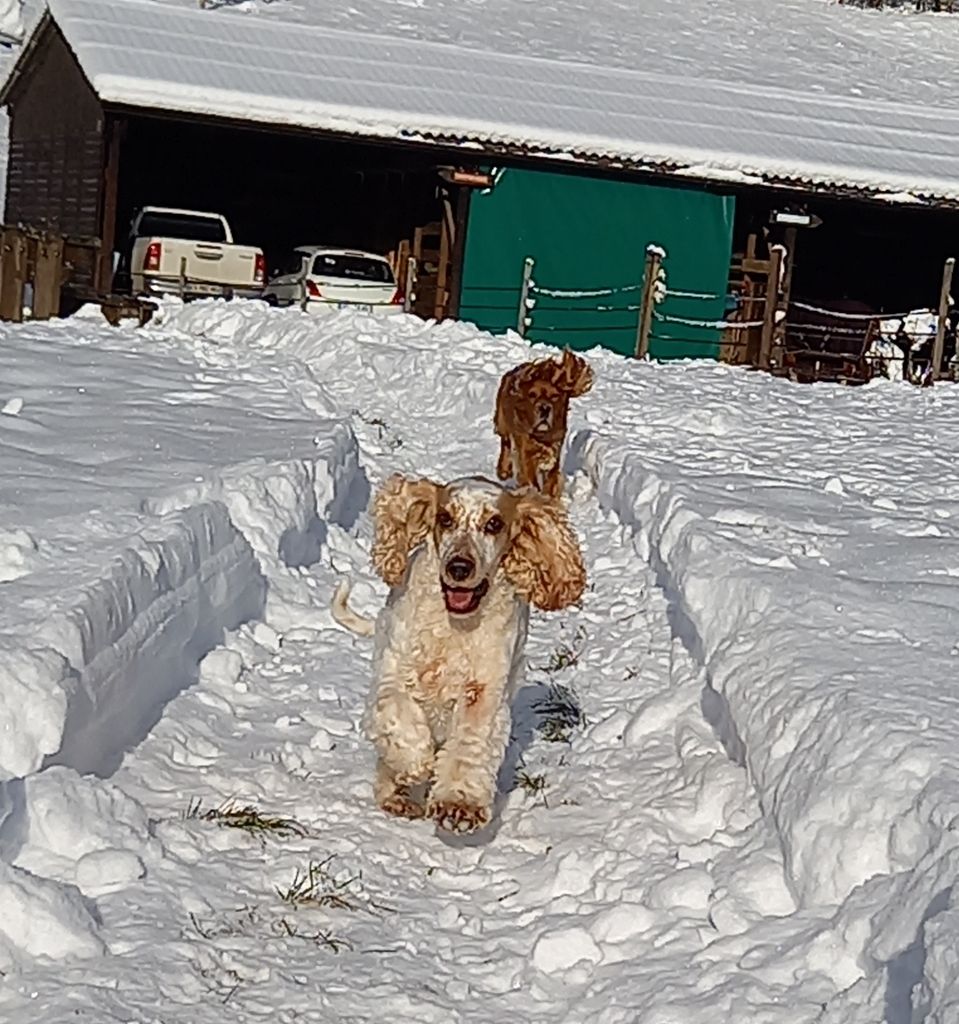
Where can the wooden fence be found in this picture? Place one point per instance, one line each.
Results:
(44, 275)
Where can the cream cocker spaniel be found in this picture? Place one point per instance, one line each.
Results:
(464, 561)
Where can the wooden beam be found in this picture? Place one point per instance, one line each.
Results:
(945, 293)
(115, 129)
(12, 274)
(459, 252)
(772, 306)
(48, 277)
(790, 238)
(442, 270)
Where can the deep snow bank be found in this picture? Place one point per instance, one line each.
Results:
(816, 588)
(125, 578)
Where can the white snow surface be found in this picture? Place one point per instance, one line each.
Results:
(752, 816)
(796, 90)
(11, 20)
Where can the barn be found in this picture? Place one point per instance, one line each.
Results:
(529, 189)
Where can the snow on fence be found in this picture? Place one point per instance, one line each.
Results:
(601, 309)
(799, 339)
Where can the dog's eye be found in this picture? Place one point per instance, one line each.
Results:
(494, 525)
(443, 519)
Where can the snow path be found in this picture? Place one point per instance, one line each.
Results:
(637, 873)
(623, 856)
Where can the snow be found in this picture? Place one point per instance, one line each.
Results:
(11, 20)
(733, 779)
(636, 101)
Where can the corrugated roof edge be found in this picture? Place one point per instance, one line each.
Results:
(477, 142)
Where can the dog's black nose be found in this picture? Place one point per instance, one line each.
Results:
(460, 568)
(544, 411)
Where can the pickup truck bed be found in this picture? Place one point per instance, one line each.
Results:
(192, 254)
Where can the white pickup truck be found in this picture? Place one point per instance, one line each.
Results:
(189, 253)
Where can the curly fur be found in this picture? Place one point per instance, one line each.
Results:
(544, 563)
(444, 679)
(532, 405)
(403, 513)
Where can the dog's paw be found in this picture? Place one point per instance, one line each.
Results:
(457, 816)
(400, 805)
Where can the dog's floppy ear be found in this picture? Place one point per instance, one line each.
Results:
(514, 381)
(576, 375)
(403, 515)
(544, 562)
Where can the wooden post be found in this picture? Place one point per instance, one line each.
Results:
(409, 286)
(12, 269)
(442, 272)
(771, 307)
(47, 277)
(647, 302)
(523, 310)
(789, 240)
(182, 281)
(459, 250)
(945, 293)
(108, 207)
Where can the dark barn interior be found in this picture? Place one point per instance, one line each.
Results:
(278, 189)
(886, 257)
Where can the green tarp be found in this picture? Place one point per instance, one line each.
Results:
(588, 238)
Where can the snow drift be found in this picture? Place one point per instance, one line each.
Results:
(822, 615)
(805, 547)
(104, 627)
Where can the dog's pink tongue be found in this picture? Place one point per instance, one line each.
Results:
(459, 600)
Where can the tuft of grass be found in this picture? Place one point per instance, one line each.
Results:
(559, 714)
(248, 819)
(532, 785)
(317, 887)
(565, 655)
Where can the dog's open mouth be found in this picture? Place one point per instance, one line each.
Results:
(464, 600)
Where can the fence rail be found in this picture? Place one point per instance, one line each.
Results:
(763, 328)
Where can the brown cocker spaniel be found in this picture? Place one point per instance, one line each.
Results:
(531, 409)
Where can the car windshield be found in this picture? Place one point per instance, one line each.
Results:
(356, 268)
(181, 225)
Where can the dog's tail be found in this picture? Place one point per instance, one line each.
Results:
(344, 614)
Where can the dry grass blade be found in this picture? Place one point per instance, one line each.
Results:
(532, 785)
(317, 887)
(565, 655)
(248, 819)
(325, 940)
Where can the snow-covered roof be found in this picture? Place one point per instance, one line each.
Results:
(157, 55)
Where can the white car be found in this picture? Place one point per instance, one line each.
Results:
(319, 277)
